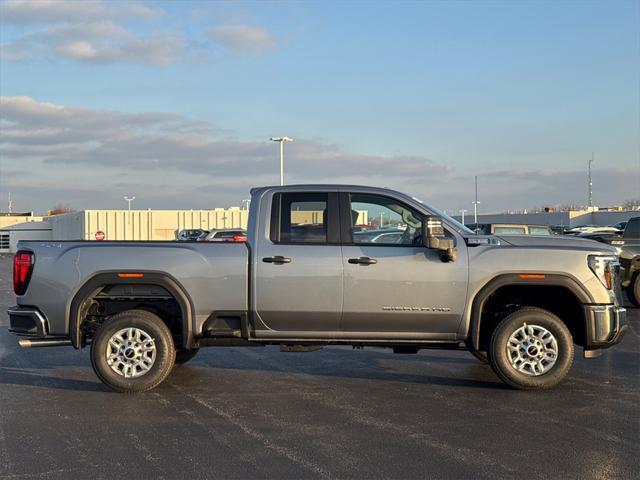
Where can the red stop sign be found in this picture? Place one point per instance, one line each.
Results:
(100, 235)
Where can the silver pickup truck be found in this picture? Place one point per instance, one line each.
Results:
(324, 265)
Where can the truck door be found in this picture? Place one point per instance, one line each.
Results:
(391, 282)
(298, 267)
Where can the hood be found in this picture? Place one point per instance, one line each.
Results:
(557, 242)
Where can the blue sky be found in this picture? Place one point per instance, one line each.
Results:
(419, 96)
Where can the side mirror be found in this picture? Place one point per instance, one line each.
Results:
(434, 238)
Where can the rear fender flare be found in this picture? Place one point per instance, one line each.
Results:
(93, 285)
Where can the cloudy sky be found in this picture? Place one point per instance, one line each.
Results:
(174, 102)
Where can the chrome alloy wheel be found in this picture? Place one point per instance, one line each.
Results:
(532, 350)
(131, 352)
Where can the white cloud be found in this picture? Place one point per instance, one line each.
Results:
(243, 38)
(21, 12)
(89, 157)
(87, 32)
(156, 50)
(97, 31)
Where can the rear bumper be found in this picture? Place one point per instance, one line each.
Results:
(605, 327)
(27, 321)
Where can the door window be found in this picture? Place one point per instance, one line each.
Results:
(379, 220)
(300, 218)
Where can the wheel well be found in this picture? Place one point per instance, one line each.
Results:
(558, 300)
(109, 300)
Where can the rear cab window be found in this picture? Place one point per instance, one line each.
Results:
(509, 231)
(304, 218)
(543, 231)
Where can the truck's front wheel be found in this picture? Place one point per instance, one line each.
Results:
(133, 351)
(531, 349)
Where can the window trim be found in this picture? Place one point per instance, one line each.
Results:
(333, 219)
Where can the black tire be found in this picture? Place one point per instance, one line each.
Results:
(633, 290)
(183, 356)
(499, 356)
(482, 356)
(153, 327)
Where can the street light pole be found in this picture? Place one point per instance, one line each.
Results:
(475, 204)
(281, 140)
(129, 199)
(463, 211)
(589, 162)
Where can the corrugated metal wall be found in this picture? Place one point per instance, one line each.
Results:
(157, 224)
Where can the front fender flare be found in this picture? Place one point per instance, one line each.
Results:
(554, 279)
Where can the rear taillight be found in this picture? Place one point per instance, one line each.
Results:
(22, 268)
(239, 238)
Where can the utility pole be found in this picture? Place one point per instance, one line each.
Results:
(475, 204)
(589, 162)
(10, 203)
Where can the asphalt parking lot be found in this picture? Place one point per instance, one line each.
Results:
(334, 413)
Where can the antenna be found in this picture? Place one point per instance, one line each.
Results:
(589, 162)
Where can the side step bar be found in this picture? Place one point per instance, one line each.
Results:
(44, 342)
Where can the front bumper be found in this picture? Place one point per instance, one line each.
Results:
(605, 326)
(27, 321)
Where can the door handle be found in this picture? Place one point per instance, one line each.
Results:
(276, 259)
(363, 261)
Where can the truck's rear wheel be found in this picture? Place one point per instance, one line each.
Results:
(531, 349)
(133, 351)
(183, 356)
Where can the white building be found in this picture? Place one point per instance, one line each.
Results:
(118, 225)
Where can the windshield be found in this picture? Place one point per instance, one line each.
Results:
(460, 228)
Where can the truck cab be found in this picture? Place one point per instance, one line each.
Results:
(305, 241)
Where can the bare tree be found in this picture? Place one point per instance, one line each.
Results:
(61, 208)
(633, 204)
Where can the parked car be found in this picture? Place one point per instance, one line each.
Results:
(620, 226)
(629, 253)
(190, 235)
(611, 238)
(560, 229)
(592, 229)
(226, 235)
(511, 229)
(378, 235)
(520, 302)
(627, 245)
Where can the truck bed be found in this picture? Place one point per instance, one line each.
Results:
(62, 267)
